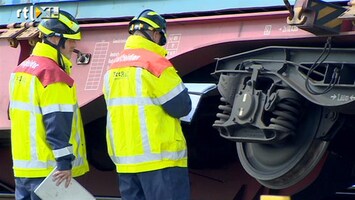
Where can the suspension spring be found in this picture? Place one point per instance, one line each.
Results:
(286, 115)
(226, 112)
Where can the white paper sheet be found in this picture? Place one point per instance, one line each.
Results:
(48, 190)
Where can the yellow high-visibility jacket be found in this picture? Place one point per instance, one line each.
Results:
(141, 135)
(46, 126)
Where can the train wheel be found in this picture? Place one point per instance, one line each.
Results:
(281, 165)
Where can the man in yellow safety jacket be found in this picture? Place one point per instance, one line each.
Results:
(145, 98)
(46, 126)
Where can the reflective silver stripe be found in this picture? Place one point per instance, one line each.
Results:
(25, 164)
(173, 93)
(79, 159)
(79, 140)
(77, 129)
(31, 164)
(110, 131)
(132, 101)
(139, 100)
(63, 152)
(141, 113)
(78, 162)
(12, 77)
(25, 107)
(33, 122)
(58, 108)
(150, 157)
(107, 84)
(108, 117)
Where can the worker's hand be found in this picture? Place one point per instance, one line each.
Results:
(60, 176)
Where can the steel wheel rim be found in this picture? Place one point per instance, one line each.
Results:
(279, 166)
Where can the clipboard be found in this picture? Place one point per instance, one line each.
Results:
(48, 190)
(196, 92)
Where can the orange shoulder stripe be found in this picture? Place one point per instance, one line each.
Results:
(148, 60)
(45, 69)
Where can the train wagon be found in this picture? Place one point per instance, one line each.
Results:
(271, 82)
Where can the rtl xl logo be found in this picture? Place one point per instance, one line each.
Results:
(43, 12)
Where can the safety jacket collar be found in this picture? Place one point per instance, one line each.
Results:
(45, 50)
(136, 41)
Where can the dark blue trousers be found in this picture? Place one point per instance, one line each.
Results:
(165, 184)
(25, 188)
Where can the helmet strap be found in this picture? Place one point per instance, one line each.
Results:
(146, 35)
(162, 40)
(46, 41)
(61, 43)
